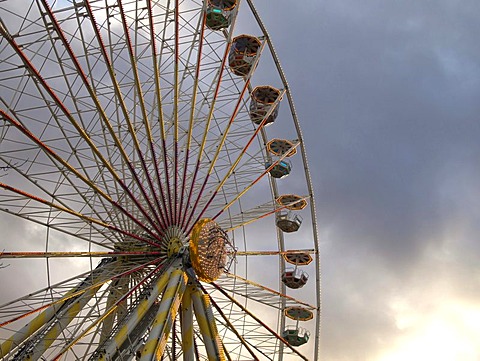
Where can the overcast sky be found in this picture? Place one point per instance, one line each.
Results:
(388, 95)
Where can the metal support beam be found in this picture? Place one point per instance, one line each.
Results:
(167, 312)
(111, 346)
(186, 324)
(208, 327)
(54, 310)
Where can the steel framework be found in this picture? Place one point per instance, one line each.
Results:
(126, 131)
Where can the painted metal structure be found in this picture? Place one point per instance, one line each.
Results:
(127, 146)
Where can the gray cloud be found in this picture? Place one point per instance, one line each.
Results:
(388, 97)
(387, 93)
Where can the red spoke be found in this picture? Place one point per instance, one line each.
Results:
(159, 105)
(144, 116)
(85, 218)
(132, 131)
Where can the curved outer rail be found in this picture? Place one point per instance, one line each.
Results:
(307, 174)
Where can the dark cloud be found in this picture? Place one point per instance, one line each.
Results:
(387, 93)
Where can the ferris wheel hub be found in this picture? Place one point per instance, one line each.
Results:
(173, 240)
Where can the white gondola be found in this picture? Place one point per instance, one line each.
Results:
(296, 336)
(294, 278)
(288, 221)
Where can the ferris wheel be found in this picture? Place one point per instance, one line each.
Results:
(154, 178)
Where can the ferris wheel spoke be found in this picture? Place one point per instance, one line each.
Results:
(185, 32)
(224, 135)
(69, 79)
(80, 322)
(66, 309)
(131, 128)
(256, 213)
(256, 292)
(163, 121)
(259, 321)
(225, 132)
(158, 99)
(157, 62)
(59, 289)
(215, 157)
(250, 186)
(192, 115)
(21, 207)
(83, 233)
(176, 62)
(242, 153)
(145, 118)
(205, 134)
(11, 255)
(41, 211)
(89, 183)
(35, 301)
(273, 253)
(69, 56)
(69, 116)
(232, 328)
(26, 197)
(250, 141)
(190, 91)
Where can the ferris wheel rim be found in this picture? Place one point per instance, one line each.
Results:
(308, 178)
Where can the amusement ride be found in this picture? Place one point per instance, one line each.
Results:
(154, 176)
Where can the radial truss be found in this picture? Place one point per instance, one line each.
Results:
(124, 124)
